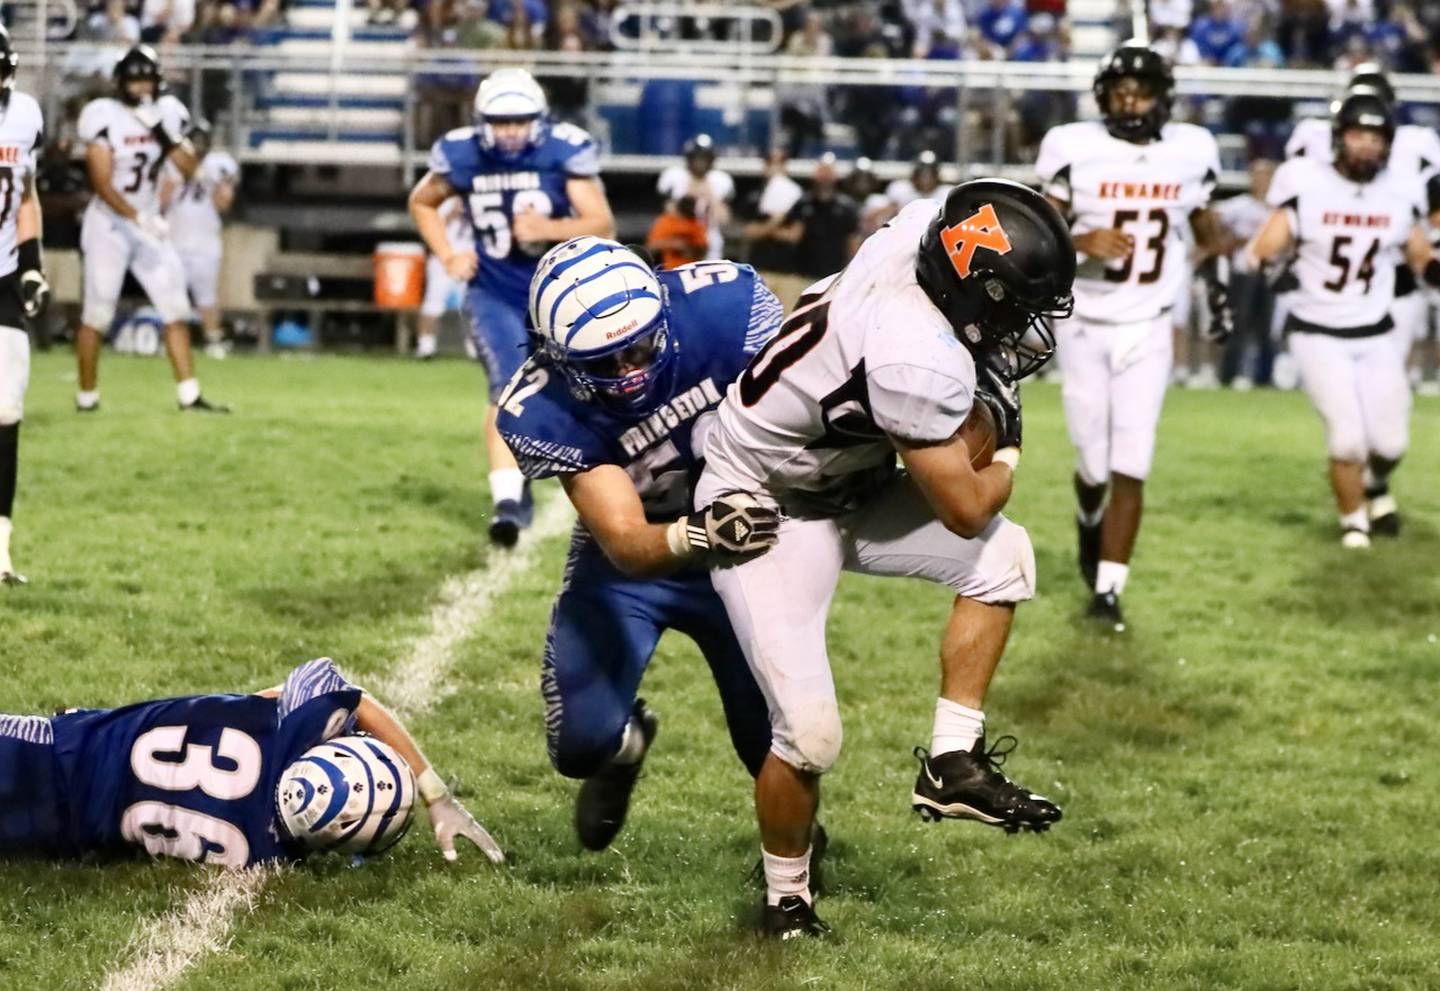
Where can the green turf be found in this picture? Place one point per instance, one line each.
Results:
(1248, 776)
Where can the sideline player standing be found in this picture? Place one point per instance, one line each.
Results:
(1350, 221)
(195, 209)
(233, 780)
(443, 293)
(1128, 185)
(631, 363)
(23, 288)
(879, 360)
(128, 139)
(527, 184)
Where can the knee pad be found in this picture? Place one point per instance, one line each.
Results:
(10, 414)
(1347, 444)
(98, 315)
(814, 738)
(1007, 565)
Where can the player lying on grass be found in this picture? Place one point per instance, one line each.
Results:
(631, 364)
(224, 779)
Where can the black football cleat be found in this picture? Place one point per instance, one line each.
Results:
(1089, 551)
(13, 578)
(202, 405)
(1105, 607)
(1384, 514)
(604, 798)
(967, 784)
(793, 918)
(505, 526)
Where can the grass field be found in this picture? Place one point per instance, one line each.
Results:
(1249, 776)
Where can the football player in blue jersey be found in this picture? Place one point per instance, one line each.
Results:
(615, 402)
(224, 779)
(527, 184)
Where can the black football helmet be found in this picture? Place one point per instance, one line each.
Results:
(9, 64)
(700, 148)
(1133, 60)
(1362, 108)
(138, 63)
(998, 261)
(200, 134)
(1369, 75)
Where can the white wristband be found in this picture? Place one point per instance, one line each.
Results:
(1007, 456)
(431, 786)
(678, 540)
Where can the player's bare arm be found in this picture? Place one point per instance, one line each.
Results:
(100, 164)
(592, 216)
(610, 508)
(965, 500)
(425, 200)
(1271, 242)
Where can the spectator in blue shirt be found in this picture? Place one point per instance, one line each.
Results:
(1258, 50)
(1218, 34)
(1002, 21)
(1037, 43)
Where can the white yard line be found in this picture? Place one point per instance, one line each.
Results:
(165, 946)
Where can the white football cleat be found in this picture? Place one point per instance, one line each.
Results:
(1355, 539)
(217, 350)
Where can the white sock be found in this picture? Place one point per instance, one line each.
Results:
(506, 483)
(425, 346)
(87, 398)
(957, 727)
(1358, 520)
(1111, 576)
(785, 876)
(5, 528)
(187, 391)
(632, 743)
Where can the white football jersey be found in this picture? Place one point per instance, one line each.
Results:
(458, 229)
(137, 162)
(1350, 238)
(864, 358)
(22, 131)
(192, 214)
(1148, 190)
(1416, 149)
(675, 182)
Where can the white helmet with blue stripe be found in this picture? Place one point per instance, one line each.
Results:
(600, 313)
(510, 96)
(352, 794)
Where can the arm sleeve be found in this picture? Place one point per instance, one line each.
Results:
(918, 404)
(439, 160)
(766, 315)
(1284, 187)
(584, 161)
(724, 186)
(1052, 167)
(309, 681)
(671, 183)
(176, 115)
(544, 437)
(94, 124)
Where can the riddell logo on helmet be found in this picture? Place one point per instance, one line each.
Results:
(979, 230)
(610, 336)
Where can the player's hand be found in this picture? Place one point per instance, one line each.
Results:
(450, 819)
(153, 226)
(734, 524)
(1222, 319)
(462, 265)
(1109, 244)
(34, 293)
(996, 388)
(529, 226)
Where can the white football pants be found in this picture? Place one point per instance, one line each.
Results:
(1359, 387)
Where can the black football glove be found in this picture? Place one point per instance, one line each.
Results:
(34, 293)
(734, 524)
(1215, 271)
(998, 390)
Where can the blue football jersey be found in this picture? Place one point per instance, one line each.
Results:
(195, 777)
(720, 314)
(494, 190)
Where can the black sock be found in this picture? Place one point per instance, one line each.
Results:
(1380, 469)
(1090, 497)
(9, 463)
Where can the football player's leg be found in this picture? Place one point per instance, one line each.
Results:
(603, 631)
(202, 277)
(105, 256)
(1408, 312)
(1329, 375)
(32, 821)
(1138, 394)
(898, 535)
(1385, 405)
(14, 378)
(501, 344)
(161, 274)
(703, 618)
(438, 288)
(1084, 356)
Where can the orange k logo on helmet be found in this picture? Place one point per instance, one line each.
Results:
(979, 230)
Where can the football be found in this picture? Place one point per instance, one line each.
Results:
(978, 431)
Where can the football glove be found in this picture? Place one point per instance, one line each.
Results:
(1215, 271)
(734, 524)
(996, 389)
(153, 226)
(34, 293)
(451, 819)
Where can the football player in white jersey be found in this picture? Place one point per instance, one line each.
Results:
(195, 209)
(943, 308)
(23, 289)
(1129, 184)
(443, 292)
(128, 139)
(1349, 222)
(1415, 150)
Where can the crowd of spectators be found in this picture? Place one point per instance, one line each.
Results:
(168, 22)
